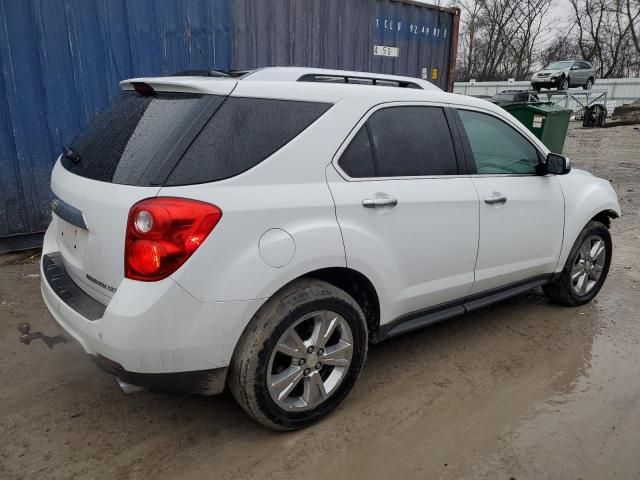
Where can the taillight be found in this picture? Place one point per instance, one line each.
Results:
(163, 232)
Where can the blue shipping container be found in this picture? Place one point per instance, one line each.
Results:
(61, 62)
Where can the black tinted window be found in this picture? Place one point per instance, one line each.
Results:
(134, 134)
(498, 147)
(411, 141)
(241, 134)
(357, 159)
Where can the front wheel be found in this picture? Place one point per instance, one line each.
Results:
(300, 356)
(586, 268)
(563, 83)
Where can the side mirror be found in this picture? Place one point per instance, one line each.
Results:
(557, 164)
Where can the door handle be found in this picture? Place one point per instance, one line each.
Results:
(379, 202)
(496, 198)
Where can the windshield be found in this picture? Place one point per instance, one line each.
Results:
(558, 65)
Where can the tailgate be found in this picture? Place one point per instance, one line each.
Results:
(90, 219)
(123, 157)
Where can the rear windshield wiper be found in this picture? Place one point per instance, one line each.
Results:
(70, 154)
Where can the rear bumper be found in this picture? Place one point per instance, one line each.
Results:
(202, 382)
(154, 334)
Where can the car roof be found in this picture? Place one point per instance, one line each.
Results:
(284, 74)
(361, 97)
(283, 83)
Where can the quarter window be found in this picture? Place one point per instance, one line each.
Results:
(402, 142)
(357, 159)
(497, 147)
(240, 135)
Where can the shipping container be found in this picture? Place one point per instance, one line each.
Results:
(61, 61)
(383, 36)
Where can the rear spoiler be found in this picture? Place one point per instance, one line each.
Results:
(197, 85)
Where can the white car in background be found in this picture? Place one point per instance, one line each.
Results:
(259, 232)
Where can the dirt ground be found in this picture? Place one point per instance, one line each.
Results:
(521, 390)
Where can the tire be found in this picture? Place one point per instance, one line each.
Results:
(564, 290)
(601, 115)
(563, 84)
(536, 87)
(257, 363)
(588, 85)
(602, 120)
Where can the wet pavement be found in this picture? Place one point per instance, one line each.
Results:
(524, 390)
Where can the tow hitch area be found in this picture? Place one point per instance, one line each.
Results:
(26, 335)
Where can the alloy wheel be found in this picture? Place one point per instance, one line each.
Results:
(310, 361)
(589, 265)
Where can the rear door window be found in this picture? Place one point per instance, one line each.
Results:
(242, 133)
(132, 139)
(402, 141)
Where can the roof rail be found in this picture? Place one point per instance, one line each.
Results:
(357, 80)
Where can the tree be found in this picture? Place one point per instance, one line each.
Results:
(500, 38)
(633, 17)
(606, 32)
(562, 47)
(470, 12)
(526, 41)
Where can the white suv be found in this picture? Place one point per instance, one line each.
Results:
(259, 232)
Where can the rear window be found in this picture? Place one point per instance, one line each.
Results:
(130, 141)
(181, 139)
(241, 134)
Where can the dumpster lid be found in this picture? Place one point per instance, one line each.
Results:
(542, 107)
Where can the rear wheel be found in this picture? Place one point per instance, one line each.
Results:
(586, 268)
(589, 84)
(300, 356)
(563, 83)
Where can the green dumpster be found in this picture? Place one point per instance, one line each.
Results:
(547, 121)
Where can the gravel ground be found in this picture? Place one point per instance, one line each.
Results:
(522, 390)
